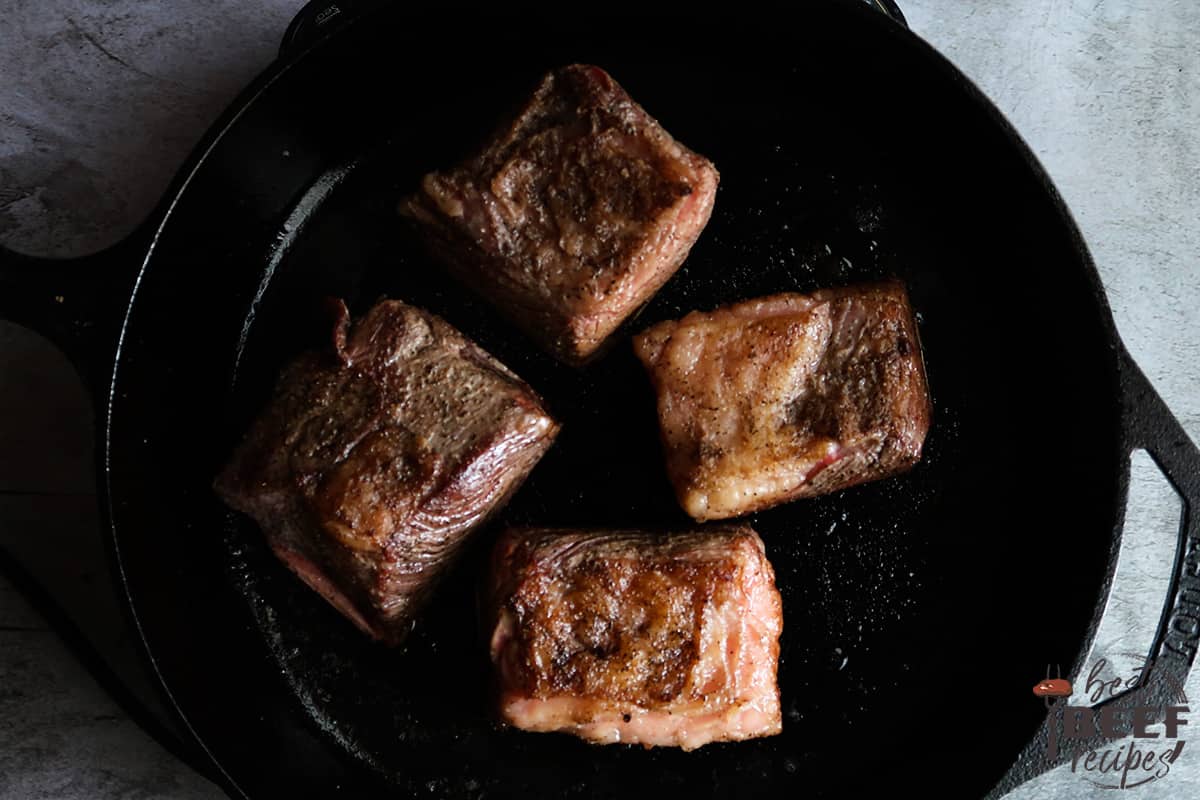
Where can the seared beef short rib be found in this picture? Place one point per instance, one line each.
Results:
(628, 636)
(573, 216)
(376, 459)
(788, 396)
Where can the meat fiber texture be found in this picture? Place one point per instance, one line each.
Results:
(629, 636)
(376, 459)
(788, 396)
(574, 215)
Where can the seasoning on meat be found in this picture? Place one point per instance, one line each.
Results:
(636, 637)
(376, 459)
(573, 216)
(787, 396)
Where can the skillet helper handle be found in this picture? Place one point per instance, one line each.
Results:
(1150, 425)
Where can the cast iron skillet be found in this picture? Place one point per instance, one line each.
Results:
(849, 150)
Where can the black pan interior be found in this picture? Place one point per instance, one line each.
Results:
(918, 610)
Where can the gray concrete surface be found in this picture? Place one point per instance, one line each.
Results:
(102, 100)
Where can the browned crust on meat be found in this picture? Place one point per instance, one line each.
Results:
(578, 211)
(374, 460)
(856, 409)
(614, 625)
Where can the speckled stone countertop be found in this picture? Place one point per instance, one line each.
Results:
(101, 101)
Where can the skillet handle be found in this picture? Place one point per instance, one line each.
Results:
(77, 304)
